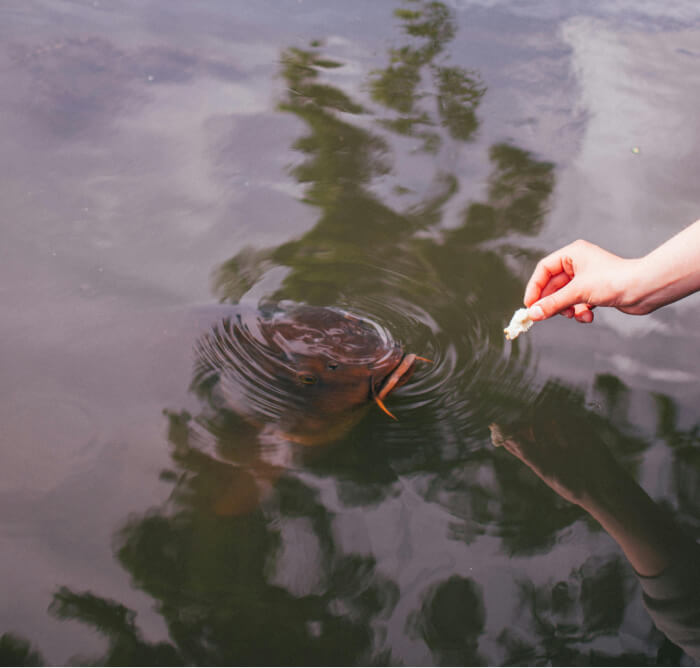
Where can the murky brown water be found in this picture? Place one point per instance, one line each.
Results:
(406, 163)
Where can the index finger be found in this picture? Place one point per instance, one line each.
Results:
(553, 265)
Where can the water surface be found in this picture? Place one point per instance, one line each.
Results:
(408, 162)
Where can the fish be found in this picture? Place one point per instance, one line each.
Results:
(307, 372)
(299, 375)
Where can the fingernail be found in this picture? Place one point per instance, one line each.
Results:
(535, 313)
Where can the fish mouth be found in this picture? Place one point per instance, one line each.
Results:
(400, 374)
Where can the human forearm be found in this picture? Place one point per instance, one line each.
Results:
(669, 272)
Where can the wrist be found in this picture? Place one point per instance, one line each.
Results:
(640, 283)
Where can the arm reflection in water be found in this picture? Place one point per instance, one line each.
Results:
(572, 460)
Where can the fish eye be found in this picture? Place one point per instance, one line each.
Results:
(307, 378)
(332, 365)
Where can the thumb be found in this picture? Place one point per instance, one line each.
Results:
(567, 296)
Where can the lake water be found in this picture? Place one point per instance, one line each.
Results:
(407, 162)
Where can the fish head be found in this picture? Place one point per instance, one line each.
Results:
(340, 361)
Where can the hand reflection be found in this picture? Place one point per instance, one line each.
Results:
(570, 457)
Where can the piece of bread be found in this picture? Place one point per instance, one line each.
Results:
(519, 323)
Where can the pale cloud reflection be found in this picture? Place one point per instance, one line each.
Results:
(640, 10)
(632, 183)
(628, 365)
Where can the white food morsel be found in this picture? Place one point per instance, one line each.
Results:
(519, 323)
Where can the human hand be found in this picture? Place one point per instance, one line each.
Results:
(578, 277)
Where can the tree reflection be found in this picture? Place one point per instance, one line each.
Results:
(555, 621)
(685, 448)
(356, 229)
(268, 588)
(116, 622)
(456, 92)
(16, 651)
(450, 621)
